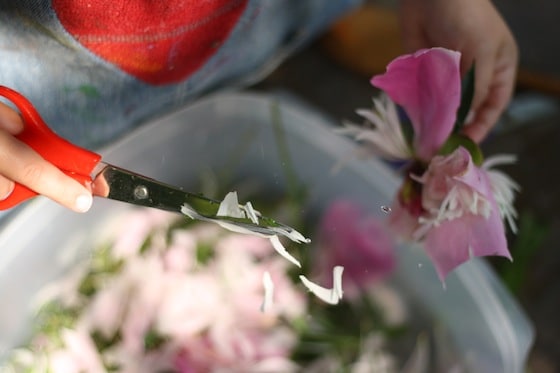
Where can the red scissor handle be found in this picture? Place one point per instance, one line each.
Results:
(76, 162)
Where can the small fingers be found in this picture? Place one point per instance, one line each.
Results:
(481, 124)
(498, 95)
(490, 111)
(20, 163)
(484, 68)
(483, 114)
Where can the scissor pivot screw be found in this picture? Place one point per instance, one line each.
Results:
(141, 192)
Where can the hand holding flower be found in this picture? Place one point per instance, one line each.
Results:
(450, 199)
(476, 29)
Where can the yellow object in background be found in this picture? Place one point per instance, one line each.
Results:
(365, 40)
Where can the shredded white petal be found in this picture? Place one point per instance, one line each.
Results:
(251, 213)
(230, 206)
(337, 280)
(187, 210)
(268, 292)
(280, 249)
(458, 200)
(381, 130)
(503, 187)
(292, 234)
(499, 159)
(331, 296)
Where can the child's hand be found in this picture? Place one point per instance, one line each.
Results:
(474, 28)
(18, 162)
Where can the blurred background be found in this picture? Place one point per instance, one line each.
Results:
(333, 75)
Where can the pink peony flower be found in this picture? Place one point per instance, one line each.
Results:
(446, 201)
(359, 243)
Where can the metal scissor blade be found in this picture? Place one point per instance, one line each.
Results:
(122, 185)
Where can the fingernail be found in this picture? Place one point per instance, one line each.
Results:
(9, 192)
(469, 118)
(83, 202)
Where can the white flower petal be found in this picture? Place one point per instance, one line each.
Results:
(337, 280)
(503, 187)
(251, 213)
(280, 249)
(499, 159)
(230, 206)
(268, 292)
(187, 210)
(291, 233)
(331, 296)
(262, 231)
(381, 131)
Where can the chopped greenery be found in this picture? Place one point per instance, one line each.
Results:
(102, 343)
(153, 340)
(204, 253)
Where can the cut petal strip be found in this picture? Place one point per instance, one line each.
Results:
(230, 207)
(280, 249)
(331, 296)
(268, 292)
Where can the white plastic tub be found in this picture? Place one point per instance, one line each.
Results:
(235, 131)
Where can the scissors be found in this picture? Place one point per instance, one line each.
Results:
(119, 184)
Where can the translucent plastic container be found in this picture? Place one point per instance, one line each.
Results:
(235, 134)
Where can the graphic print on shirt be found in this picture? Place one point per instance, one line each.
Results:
(158, 42)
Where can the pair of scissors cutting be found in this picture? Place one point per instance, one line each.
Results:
(119, 184)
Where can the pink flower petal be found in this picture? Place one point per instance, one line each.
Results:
(402, 221)
(461, 217)
(446, 171)
(453, 242)
(471, 176)
(427, 84)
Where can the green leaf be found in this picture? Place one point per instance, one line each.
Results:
(456, 140)
(204, 253)
(102, 343)
(88, 285)
(154, 340)
(53, 317)
(467, 93)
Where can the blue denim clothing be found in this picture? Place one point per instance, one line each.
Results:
(91, 102)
